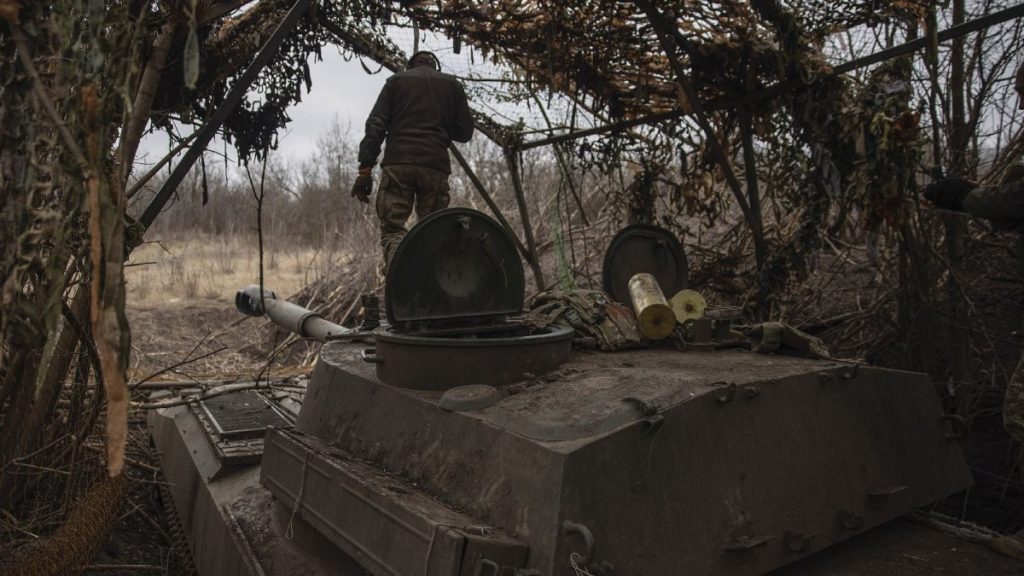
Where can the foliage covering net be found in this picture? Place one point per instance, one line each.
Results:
(542, 68)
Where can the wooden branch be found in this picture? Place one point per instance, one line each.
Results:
(479, 186)
(667, 36)
(156, 167)
(612, 127)
(129, 461)
(214, 10)
(668, 43)
(786, 85)
(186, 360)
(358, 43)
(524, 215)
(750, 168)
(131, 133)
(106, 254)
(94, 358)
(562, 164)
(205, 395)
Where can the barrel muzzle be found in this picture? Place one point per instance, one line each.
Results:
(248, 300)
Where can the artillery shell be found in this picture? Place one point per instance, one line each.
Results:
(655, 318)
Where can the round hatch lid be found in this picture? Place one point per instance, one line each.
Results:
(644, 248)
(455, 264)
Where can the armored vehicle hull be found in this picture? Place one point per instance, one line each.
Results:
(648, 462)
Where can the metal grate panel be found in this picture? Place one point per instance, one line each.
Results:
(244, 414)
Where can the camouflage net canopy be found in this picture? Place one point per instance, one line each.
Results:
(607, 58)
(540, 68)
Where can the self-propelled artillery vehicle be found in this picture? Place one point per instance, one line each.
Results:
(459, 441)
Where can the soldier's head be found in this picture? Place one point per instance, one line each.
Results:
(423, 58)
(1018, 85)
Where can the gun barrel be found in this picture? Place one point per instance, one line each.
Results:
(285, 314)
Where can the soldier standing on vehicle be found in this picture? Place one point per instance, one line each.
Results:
(1003, 205)
(418, 113)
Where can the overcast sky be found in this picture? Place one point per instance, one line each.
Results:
(341, 90)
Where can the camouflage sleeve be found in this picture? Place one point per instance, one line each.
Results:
(1004, 202)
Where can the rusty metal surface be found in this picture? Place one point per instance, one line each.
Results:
(644, 248)
(390, 526)
(719, 463)
(440, 363)
(455, 264)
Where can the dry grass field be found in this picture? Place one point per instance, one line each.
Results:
(181, 303)
(174, 271)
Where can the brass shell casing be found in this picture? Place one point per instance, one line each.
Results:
(655, 319)
(688, 305)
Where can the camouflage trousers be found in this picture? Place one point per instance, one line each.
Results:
(402, 188)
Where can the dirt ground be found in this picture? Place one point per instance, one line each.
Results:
(202, 340)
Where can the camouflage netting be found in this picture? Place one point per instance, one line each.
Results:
(607, 55)
(595, 61)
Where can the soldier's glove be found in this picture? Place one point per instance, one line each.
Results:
(949, 193)
(363, 186)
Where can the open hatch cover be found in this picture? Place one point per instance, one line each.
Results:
(456, 265)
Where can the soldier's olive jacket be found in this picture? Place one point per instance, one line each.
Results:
(418, 113)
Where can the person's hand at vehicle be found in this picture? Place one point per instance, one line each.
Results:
(949, 193)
